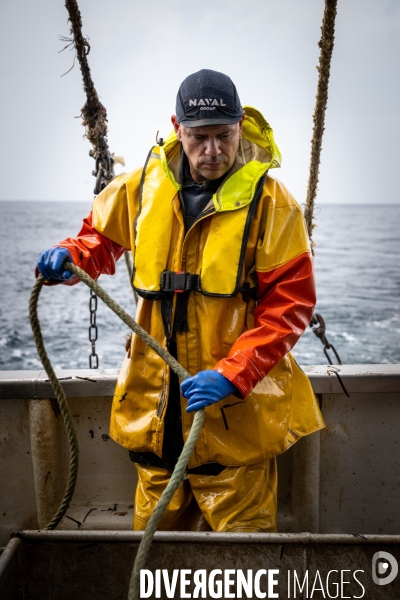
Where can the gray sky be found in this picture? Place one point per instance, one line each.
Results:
(141, 51)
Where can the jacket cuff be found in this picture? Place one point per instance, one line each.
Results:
(240, 371)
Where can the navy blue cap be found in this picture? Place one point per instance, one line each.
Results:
(208, 98)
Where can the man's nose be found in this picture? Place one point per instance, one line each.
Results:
(212, 147)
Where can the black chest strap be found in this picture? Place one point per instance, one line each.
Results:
(179, 282)
(182, 283)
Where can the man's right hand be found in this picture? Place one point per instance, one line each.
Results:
(50, 264)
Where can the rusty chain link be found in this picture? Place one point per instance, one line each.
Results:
(319, 331)
(104, 168)
(317, 324)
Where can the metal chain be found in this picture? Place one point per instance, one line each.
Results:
(93, 331)
(104, 173)
(319, 331)
(104, 169)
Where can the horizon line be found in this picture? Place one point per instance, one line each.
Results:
(301, 203)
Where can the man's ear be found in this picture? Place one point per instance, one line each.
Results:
(241, 124)
(177, 127)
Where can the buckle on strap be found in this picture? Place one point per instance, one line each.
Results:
(179, 281)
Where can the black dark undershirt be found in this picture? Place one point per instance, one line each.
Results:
(195, 196)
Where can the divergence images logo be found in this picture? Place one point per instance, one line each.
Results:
(380, 568)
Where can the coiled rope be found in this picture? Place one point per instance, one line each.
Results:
(179, 472)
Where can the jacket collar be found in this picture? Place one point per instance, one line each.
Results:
(256, 155)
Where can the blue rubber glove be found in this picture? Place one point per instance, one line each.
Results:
(50, 264)
(206, 388)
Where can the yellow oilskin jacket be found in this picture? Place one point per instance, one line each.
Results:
(251, 236)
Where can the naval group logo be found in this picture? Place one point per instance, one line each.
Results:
(206, 102)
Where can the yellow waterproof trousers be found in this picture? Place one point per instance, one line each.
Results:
(238, 499)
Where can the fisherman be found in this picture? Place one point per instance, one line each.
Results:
(223, 267)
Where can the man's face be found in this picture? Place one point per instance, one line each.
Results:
(211, 150)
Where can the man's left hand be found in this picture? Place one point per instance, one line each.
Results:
(206, 388)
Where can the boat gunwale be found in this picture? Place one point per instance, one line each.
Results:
(207, 537)
(86, 383)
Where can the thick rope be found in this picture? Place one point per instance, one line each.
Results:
(175, 481)
(62, 403)
(326, 48)
(93, 113)
(180, 469)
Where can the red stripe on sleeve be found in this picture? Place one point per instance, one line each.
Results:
(286, 300)
(92, 251)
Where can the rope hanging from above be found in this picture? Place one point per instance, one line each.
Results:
(93, 113)
(94, 119)
(326, 48)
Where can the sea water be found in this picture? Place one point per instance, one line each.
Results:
(357, 260)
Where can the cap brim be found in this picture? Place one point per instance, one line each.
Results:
(203, 122)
